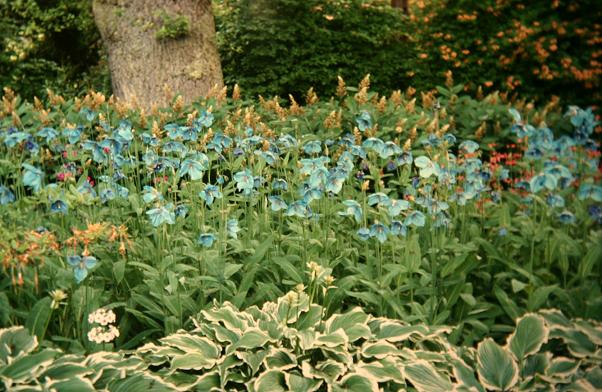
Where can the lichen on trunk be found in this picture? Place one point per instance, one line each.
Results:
(143, 63)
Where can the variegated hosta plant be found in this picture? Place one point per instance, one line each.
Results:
(289, 346)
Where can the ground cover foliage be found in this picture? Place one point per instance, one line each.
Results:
(432, 208)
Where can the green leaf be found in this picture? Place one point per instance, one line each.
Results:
(252, 338)
(76, 384)
(15, 342)
(496, 368)
(425, 378)
(119, 270)
(271, 381)
(507, 303)
(378, 350)
(465, 375)
(334, 339)
(381, 371)
(350, 322)
(39, 317)
(28, 366)
(192, 361)
(280, 359)
(529, 336)
(297, 383)
(540, 296)
(192, 344)
(354, 382)
(5, 309)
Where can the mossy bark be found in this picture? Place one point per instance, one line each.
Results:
(142, 66)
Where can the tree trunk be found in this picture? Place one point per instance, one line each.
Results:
(403, 4)
(143, 63)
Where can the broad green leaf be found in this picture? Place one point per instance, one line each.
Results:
(270, 381)
(140, 382)
(354, 382)
(465, 375)
(253, 359)
(66, 371)
(425, 378)
(378, 350)
(351, 322)
(192, 361)
(252, 338)
(39, 317)
(297, 383)
(381, 371)
(16, 342)
(328, 370)
(192, 344)
(75, 384)
(334, 339)
(393, 331)
(530, 334)
(507, 303)
(496, 368)
(29, 366)
(280, 359)
(119, 270)
(562, 367)
(226, 315)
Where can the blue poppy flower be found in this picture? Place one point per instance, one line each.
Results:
(277, 204)
(123, 133)
(555, 200)
(426, 166)
(373, 143)
(73, 135)
(309, 166)
(32, 177)
(15, 138)
(81, 265)
(278, 184)
(312, 194)
(160, 215)
(595, 212)
(352, 208)
(398, 228)
(207, 239)
(189, 133)
(566, 217)
(85, 188)
(378, 198)
(59, 206)
(150, 194)
(502, 232)
(415, 218)
(312, 147)
(541, 181)
(244, 181)
(106, 195)
(48, 134)
(149, 139)
(364, 233)
(389, 149)
(269, 157)
(379, 231)
(590, 191)
(210, 193)
(193, 168)
(88, 114)
(181, 210)
(364, 121)
(232, 228)
(469, 146)
(299, 208)
(6, 196)
(176, 147)
(205, 119)
(334, 183)
(395, 206)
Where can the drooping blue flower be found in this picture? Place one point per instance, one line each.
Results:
(312, 147)
(12, 139)
(300, 209)
(312, 194)
(176, 147)
(590, 191)
(181, 210)
(353, 208)
(190, 134)
(210, 193)
(269, 157)
(244, 181)
(32, 177)
(334, 183)
(426, 166)
(595, 212)
(232, 228)
(469, 146)
(193, 168)
(364, 121)
(149, 139)
(389, 149)
(6, 196)
(373, 143)
(379, 231)
(205, 119)
(48, 134)
(364, 233)
(73, 135)
(81, 265)
(162, 214)
(405, 158)
(395, 206)
(415, 218)
(566, 217)
(555, 200)
(59, 206)
(106, 195)
(207, 239)
(398, 228)
(378, 198)
(277, 204)
(542, 181)
(150, 194)
(88, 114)
(278, 184)
(123, 134)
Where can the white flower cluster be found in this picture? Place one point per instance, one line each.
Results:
(106, 332)
(102, 316)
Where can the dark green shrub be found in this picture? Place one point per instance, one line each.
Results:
(277, 47)
(50, 44)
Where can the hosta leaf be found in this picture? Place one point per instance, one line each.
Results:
(356, 383)
(271, 381)
(333, 339)
(192, 361)
(28, 366)
(226, 315)
(465, 375)
(328, 370)
(141, 382)
(253, 359)
(350, 322)
(378, 350)
(396, 332)
(381, 371)
(536, 364)
(192, 344)
(15, 342)
(425, 378)
(529, 336)
(297, 383)
(496, 368)
(252, 338)
(280, 359)
(562, 367)
(75, 384)
(66, 371)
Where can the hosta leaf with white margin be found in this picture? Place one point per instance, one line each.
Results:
(298, 383)
(528, 337)
(252, 338)
(378, 350)
(291, 305)
(354, 323)
(354, 382)
(230, 317)
(271, 381)
(253, 359)
(382, 371)
(14, 343)
(280, 358)
(328, 370)
(425, 378)
(333, 339)
(562, 367)
(497, 369)
(465, 374)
